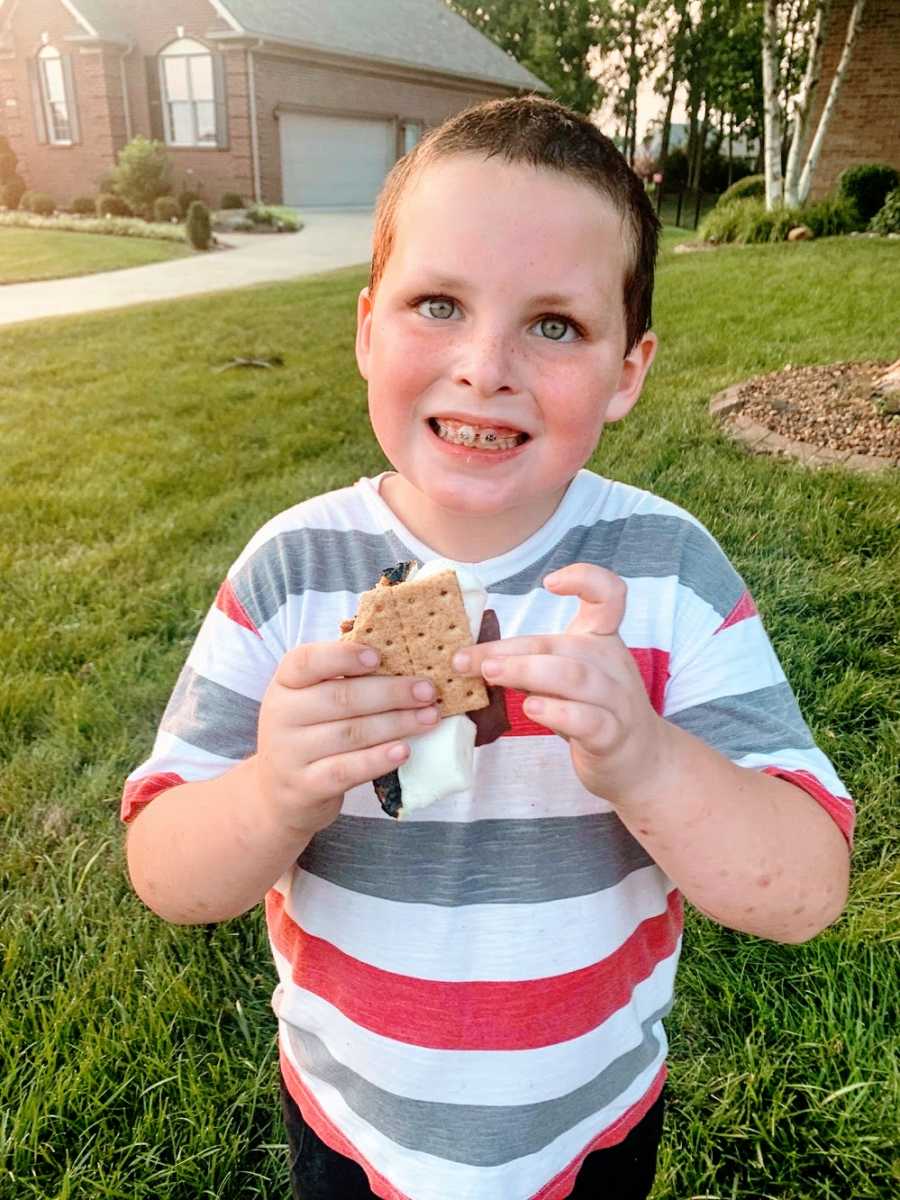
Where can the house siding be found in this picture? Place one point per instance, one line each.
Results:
(349, 91)
(864, 126)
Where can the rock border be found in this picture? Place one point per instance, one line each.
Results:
(725, 407)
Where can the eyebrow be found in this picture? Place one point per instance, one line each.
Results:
(451, 284)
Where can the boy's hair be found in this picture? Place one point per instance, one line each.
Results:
(540, 133)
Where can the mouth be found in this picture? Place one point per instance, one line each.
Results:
(477, 437)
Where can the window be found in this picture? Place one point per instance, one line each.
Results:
(188, 94)
(54, 96)
(412, 132)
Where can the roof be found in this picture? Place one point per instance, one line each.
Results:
(415, 33)
(100, 17)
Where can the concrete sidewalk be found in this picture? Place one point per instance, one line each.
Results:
(327, 241)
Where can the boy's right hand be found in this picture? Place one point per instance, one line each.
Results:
(326, 724)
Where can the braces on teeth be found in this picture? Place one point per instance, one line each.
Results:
(481, 439)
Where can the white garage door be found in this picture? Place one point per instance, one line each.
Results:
(338, 161)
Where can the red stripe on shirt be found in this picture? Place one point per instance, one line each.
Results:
(479, 1015)
(138, 793)
(228, 603)
(654, 668)
(742, 610)
(839, 808)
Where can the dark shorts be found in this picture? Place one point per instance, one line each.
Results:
(623, 1172)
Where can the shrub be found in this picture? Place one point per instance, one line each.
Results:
(260, 216)
(830, 217)
(887, 219)
(165, 208)
(7, 165)
(39, 203)
(231, 200)
(867, 186)
(117, 226)
(751, 187)
(12, 191)
(748, 221)
(109, 205)
(282, 221)
(141, 174)
(84, 206)
(199, 226)
(185, 200)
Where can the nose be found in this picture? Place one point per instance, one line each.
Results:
(485, 364)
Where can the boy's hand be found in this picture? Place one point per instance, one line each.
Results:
(327, 724)
(584, 684)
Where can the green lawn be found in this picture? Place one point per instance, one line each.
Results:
(141, 1057)
(32, 254)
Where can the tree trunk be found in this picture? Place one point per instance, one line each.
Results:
(816, 148)
(804, 102)
(772, 132)
(676, 69)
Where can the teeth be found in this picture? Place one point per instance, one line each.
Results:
(482, 438)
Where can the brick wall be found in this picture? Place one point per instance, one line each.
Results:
(291, 80)
(865, 124)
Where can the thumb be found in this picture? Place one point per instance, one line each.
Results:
(601, 592)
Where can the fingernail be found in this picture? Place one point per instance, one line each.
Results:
(533, 706)
(461, 662)
(492, 666)
(428, 716)
(423, 690)
(398, 753)
(368, 658)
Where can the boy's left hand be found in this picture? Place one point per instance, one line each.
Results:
(584, 685)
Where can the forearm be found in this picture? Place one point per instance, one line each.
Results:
(207, 851)
(751, 851)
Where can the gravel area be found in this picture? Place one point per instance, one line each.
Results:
(827, 406)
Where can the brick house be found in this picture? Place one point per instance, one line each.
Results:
(865, 125)
(304, 102)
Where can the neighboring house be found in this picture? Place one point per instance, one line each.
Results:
(305, 102)
(865, 124)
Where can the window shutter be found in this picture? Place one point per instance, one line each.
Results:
(154, 98)
(71, 98)
(37, 101)
(220, 90)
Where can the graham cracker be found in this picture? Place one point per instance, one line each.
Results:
(417, 627)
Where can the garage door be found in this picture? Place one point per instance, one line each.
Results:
(340, 161)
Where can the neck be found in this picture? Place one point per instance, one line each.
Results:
(463, 537)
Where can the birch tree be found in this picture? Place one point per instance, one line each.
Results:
(772, 120)
(804, 101)
(815, 149)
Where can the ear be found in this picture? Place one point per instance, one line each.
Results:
(363, 331)
(635, 366)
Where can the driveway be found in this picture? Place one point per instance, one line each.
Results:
(328, 240)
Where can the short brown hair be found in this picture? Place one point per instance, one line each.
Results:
(541, 133)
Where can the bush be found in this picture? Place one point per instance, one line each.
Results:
(7, 165)
(283, 222)
(84, 206)
(887, 219)
(116, 226)
(166, 208)
(867, 187)
(109, 205)
(12, 191)
(141, 175)
(231, 200)
(747, 221)
(39, 203)
(750, 187)
(830, 217)
(185, 200)
(199, 226)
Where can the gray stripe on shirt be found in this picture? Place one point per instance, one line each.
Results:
(211, 717)
(479, 1135)
(506, 861)
(760, 722)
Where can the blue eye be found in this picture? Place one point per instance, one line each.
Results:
(439, 308)
(554, 329)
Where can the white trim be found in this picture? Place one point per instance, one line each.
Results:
(225, 15)
(73, 12)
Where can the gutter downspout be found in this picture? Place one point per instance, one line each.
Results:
(126, 103)
(254, 132)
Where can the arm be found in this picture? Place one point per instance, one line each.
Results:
(751, 851)
(210, 850)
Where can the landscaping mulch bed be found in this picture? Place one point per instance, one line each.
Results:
(828, 406)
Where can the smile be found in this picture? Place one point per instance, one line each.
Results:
(477, 437)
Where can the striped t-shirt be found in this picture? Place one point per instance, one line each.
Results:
(471, 999)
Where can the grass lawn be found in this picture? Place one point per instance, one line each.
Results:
(32, 254)
(141, 1057)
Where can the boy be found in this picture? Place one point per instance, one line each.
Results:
(471, 1000)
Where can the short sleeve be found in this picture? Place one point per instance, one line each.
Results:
(727, 687)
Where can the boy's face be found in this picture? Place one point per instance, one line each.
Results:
(500, 308)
